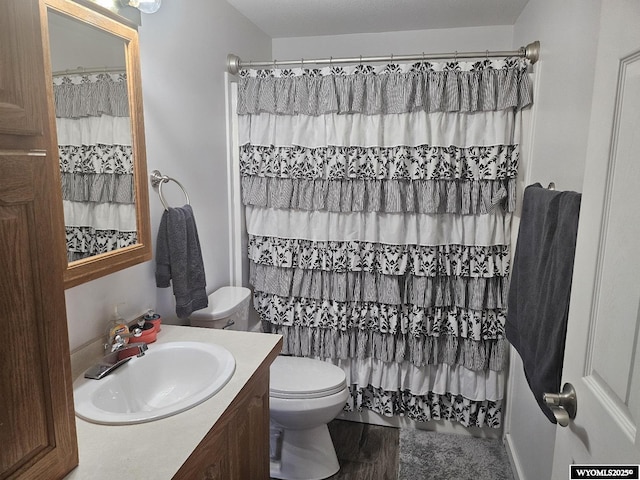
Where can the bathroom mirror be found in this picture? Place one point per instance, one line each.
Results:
(95, 90)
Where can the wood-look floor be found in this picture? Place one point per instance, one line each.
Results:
(365, 452)
(373, 452)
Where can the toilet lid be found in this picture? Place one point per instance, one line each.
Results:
(297, 377)
(222, 303)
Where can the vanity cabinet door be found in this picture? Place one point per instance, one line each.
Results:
(249, 434)
(37, 424)
(237, 447)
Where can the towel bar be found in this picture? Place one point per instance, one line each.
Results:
(157, 179)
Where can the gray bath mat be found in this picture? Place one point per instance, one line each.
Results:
(428, 455)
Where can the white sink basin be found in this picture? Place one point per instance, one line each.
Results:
(170, 378)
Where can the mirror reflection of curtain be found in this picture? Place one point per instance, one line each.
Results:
(96, 163)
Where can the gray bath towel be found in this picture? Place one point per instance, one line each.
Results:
(179, 260)
(541, 285)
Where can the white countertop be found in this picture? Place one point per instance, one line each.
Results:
(158, 449)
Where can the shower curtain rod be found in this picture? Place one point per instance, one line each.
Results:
(531, 52)
(89, 71)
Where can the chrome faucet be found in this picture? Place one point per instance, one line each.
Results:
(120, 354)
(120, 340)
(117, 341)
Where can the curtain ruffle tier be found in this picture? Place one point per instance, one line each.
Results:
(387, 319)
(426, 408)
(390, 196)
(432, 291)
(91, 95)
(458, 87)
(445, 349)
(99, 158)
(422, 162)
(83, 242)
(425, 393)
(378, 203)
(356, 256)
(98, 187)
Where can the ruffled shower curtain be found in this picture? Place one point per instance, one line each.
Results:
(378, 203)
(96, 163)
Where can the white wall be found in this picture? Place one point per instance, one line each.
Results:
(556, 152)
(73, 44)
(90, 305)
(183, 52)
(428, 41)
(568, 35)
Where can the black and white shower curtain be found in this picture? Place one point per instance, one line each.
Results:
(96, 162)
(378, 205)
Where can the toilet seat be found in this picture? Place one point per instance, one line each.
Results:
(300, 378)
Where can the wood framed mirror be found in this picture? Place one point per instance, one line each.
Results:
(95, 90)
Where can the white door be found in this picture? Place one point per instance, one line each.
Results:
(602, 356)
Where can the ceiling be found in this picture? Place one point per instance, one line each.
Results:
(301, 18)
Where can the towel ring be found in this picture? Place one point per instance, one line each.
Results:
(157, 179)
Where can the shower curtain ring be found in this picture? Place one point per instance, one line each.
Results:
(302, 64)
(487, 53)
(455, 57)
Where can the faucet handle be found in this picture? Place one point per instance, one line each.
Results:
(119, 340)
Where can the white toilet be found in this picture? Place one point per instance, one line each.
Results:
(304, 395)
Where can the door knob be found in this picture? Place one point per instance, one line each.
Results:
(563, 405)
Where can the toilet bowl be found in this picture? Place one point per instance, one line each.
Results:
(304, 395)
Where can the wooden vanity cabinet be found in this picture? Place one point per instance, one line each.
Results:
(37, 424)
(237, 446)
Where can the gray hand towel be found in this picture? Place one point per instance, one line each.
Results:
(541, 286)
(179, 260)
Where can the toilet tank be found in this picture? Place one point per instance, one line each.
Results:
(228, 306)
